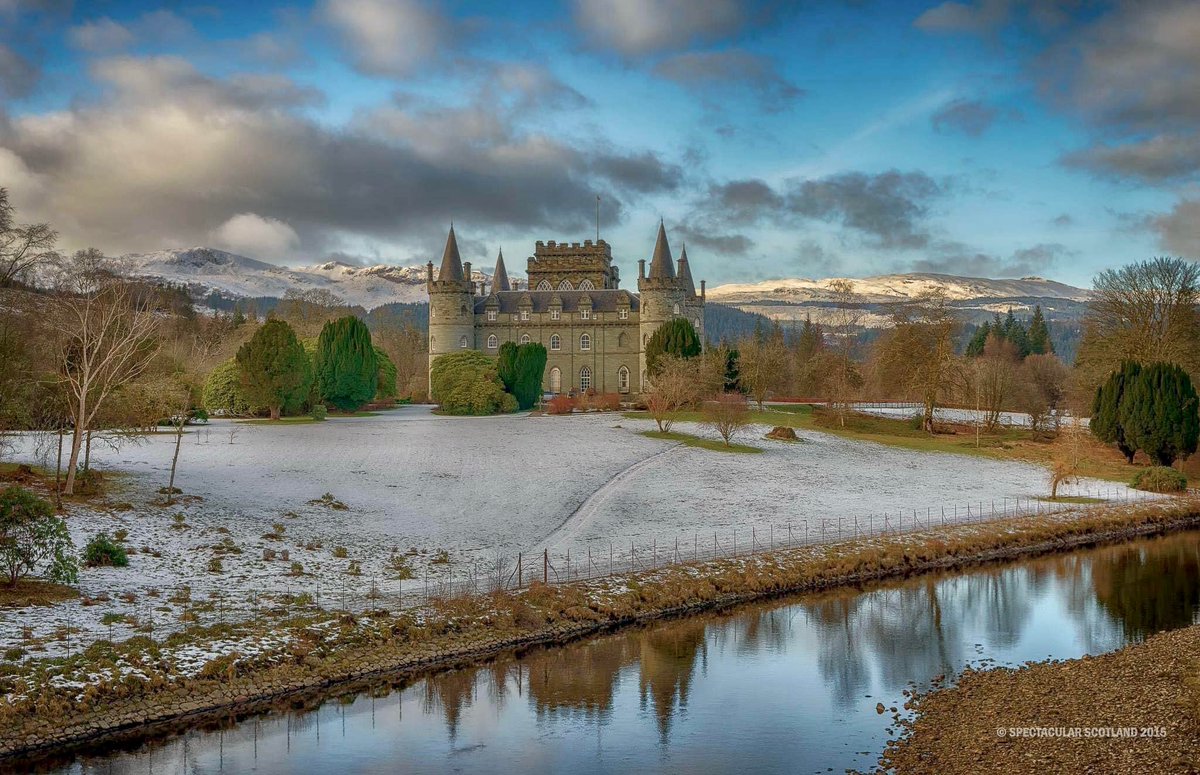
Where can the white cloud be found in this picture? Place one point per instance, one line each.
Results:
(267, 239)
(100, 35)
(640, 27)
(386, 37)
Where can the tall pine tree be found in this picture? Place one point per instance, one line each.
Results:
(273, 368)
(530, 366)
(676, 337)
(1106, 421)
(346, 367)
(1039, 334)
(506, 366)
(1158, 413)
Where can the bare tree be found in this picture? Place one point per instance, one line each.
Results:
(1042, 389)
(763, 366)
(1066, 456)
(994, 379)
(22, 246)
(182, 412)
(727, 415)
(106, 338)
(840, 375)
(917, 355)
(674, 386)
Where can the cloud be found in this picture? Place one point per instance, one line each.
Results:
(18, 75)
(167, 156)
(951, 257)
(1063, 220)
(970, 117)
(100, 35)
(889, 207)
(1179, 230)
(269, 239)
(1157, 159)
(636, 28)
(387, 37)
(727, 72)
(950, 17)
(727, 243)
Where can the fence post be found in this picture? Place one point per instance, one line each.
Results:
(545, 566)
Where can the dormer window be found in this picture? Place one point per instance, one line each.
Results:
(585, 314)
(623, 314)
(555, 314)
(524, 314)
(491, 315)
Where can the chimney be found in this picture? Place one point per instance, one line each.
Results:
(702, 284)
(467, 274)
(641, 269)
(429, 271)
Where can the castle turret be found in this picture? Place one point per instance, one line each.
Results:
(451, 305)
(500, 276)
(664, 294)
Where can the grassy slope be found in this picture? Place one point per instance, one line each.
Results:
(1100, 462)
(696, 441)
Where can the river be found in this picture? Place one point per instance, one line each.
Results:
(787, 685)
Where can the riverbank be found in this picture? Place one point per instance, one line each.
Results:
(1130, 711)
(140, 687)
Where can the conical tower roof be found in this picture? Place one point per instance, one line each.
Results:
(452, 268)
(685, 272)
(662, 266)
(500, 276)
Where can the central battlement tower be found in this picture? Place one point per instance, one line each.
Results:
(566, 266)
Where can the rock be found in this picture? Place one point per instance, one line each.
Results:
(783, 433)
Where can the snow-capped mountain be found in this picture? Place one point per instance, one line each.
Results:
(898, 287)
(204, 271)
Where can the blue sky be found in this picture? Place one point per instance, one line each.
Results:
(998, 138)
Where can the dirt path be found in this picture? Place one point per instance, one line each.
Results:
(569, 529)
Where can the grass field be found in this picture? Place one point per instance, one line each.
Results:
(696, 441)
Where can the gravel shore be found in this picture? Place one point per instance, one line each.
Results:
(1129, 711)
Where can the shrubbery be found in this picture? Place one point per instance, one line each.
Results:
(560, 404)
(319, 412)
(102, 550)
(1159, 479)
(467, 383)
(30, 535)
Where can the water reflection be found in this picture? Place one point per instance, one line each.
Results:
(787, 686)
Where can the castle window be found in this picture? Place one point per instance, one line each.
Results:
(697, 325)
(676, 309)
(585, 342)
(493, 342)
(565, 285)
(491, 314)
(585, 314)
(462, 341)
(555, 342)
(524, 338)
(586, 285)
(645, 338)
(623, 314)
(555, 314)
(585, 378)
(524, 314)
(623, 379)
(621, 339)
(544, 285)
(555, 380)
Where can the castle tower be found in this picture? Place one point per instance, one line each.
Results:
(664, 294)
(451, 304)
(500, 275)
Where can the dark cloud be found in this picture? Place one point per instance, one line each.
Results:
(721, 243)
(1179, 230)
(714, 73)
(174, 157)
(985, 17)
(1062, 220)
(889, 208)
(1159, 159)
(970, 117)
(950, 257)
(636, 28)
(18, 75)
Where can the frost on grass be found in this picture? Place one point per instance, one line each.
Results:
(442, 498)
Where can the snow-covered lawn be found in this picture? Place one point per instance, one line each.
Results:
(967, 416)
(477, 488)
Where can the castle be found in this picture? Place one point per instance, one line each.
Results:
(594, 332)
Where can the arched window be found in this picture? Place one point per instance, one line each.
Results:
(585, 378)
(555, 380)
(644, 385)
(555, 342)
(493, 342)
(585, 342)
(676, 309)
(623, 379)
(524, 338)
(586, 285)
(462, 341)
(544, 285)
(645, 338)
(565, 285)
(432, 342)
(697, 325)
(621, 339)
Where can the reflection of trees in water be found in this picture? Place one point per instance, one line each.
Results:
(581, 678)
(1000, 599)
(765, 629)
(453, 693)
(668, 660)
(1149, 588)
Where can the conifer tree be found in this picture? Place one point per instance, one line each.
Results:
(675, 337)
(506, 366)
(530, 366)
(346, 367)
(273, 368)
(1158, 413)
(978, 340)
(1039, 334)
(1105, 422)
